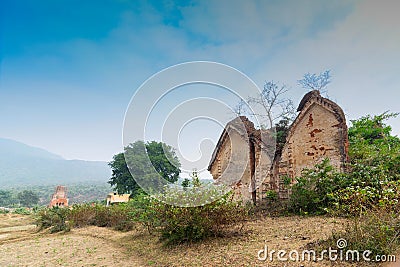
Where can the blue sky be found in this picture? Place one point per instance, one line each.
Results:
(69, 68)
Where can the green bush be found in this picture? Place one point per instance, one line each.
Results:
(4, 211)
(22, 211)
(312, 192)
(271, 195)
(83, 215)
(116, 216)
(355, 200)
(177, 224)
(55, 219)
(143, 211)
(62, 219)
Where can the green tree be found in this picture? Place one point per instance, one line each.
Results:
(164, 160)
(153, 164)
(121, 178)
(195, 178)
(371, 141)
(6, 198)
(282, 130)
(28, 198)
(185, 183)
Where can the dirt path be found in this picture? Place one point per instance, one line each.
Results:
(92, 246)
(71, 249)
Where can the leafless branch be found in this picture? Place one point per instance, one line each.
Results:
(273, 102)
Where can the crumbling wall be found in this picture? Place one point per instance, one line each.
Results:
(232, 164)
(319, 132)
(233, 159)
(263, 161)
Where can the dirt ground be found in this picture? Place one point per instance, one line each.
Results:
(20, 245)
(93, 246)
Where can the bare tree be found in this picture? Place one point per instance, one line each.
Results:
(275, 106)
(316, 82)
(240, 108)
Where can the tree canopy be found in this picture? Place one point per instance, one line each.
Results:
(28, 198)
(6, 198)
(147, 165)
(373, 145)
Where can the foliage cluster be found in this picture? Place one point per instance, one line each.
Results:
(177, 224)
(312, 192)
(62, 219)
(152, 165)
(55, 219)
(24, 198)
(116, 216)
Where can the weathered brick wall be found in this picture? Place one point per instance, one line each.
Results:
(319, 132)
(232, 163)
(231, 166)
(263, 160)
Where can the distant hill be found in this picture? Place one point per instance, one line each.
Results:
(22, 165)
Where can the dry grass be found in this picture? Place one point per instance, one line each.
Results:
(278, 233)
(93, 246)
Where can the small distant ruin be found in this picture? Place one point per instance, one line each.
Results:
(318, 132)
(114, 198)
(59, 198)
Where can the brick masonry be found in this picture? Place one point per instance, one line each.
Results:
(318, 132)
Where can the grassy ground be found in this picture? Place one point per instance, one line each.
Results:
(93, 246)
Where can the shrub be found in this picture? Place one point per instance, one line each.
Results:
(177, 224)
(271, 195)
(121, 217)
(55, 219)
(4, 211)
(62, 219)
(116, 216)
(377, 230)
(312, 192)
(143, 211)
(83, 215)
(22, 211)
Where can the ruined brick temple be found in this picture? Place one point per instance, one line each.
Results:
(318, 132)
(59, 198)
